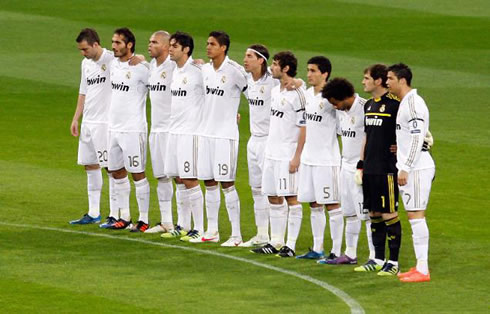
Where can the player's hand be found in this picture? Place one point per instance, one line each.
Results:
(198, 61)
(74, 128)
(136, 59)
(428, 141)
(358, 177)
(294, 84)
(402, 177)
(393, 149)
(358, 174)
(294, 165)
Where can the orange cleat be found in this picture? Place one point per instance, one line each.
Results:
(409, 272)
(415, 277)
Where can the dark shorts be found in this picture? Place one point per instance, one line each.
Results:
(380, 192)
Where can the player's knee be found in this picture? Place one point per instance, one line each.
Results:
(419, 214)
(91, 167)
(119, 174)
(138, 176)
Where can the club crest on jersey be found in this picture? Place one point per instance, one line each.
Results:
(262, 90)
(353, 120)
(163, 75)
(103, 67)
(184, 81)
(382, 108)
(369, 108)
(283, 101)
(321, 105)
(223, 79)
(128, 75)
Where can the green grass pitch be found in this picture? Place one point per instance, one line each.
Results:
(54, 270)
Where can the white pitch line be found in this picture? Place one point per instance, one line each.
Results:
(354, 306)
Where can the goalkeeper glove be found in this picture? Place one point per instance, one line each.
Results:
(358, 174)
(428, 142)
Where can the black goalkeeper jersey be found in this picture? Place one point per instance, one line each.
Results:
(380, 127)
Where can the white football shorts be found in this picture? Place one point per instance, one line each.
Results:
(351, 197)
(255, 160)
(181, 157)
(217, 159)
(92, 144)
(127, 150)
(158, 151)
(415, 194)
(277, 180)
(320, 184)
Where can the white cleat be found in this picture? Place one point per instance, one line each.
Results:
(232, 242)
(256, 241)
(158, 228)
(212, 237)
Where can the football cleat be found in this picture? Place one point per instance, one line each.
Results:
(411, 270)
(325, 260)
(342, 260)
(177, 232)
(388, 270)
(311, 255)
(192, 234)
(256, 241)
(212, 237)
(158, 228)
(233, 241)
(285, 251)
(121, 224)
(139, 227)
(108, 223)
(266, 249)
(85, 220)
(415, 276)
(369, 266)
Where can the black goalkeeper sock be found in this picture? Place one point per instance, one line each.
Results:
(394, 232)
(378, 231)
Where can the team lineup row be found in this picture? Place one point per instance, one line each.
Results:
(293, 153)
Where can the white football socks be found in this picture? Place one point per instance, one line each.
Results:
(232, 202)
(183, 215)
(143, 199)
(165, 192)
(123, 189)
(336, 221)
(279, 221)
(213, 200)
(420, 236)
(318, 221)
(261, 210)
(113, 206)
(94, 187)
(294, 225)
(352, 229)
(369, 234)
(196, 200)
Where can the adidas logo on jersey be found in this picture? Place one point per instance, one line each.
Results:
(256, 102)
(277, 113)
(96, 80)
(215, 91)
(122, 87)
(157, 87)
(374, 121)
(312, 117)
(179, 92)
(348, 133)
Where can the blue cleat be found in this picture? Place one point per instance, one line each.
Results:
(328, 259)
(311, 255)
(85, 220)
(108, 223)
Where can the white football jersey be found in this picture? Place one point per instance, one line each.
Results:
(258, 94)
(159, 88)
(351, 129)
(187, 99)
(96, 86)
(321, 146)
(412, 124)
(287, 116)
(222, 97)
(128, 103)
